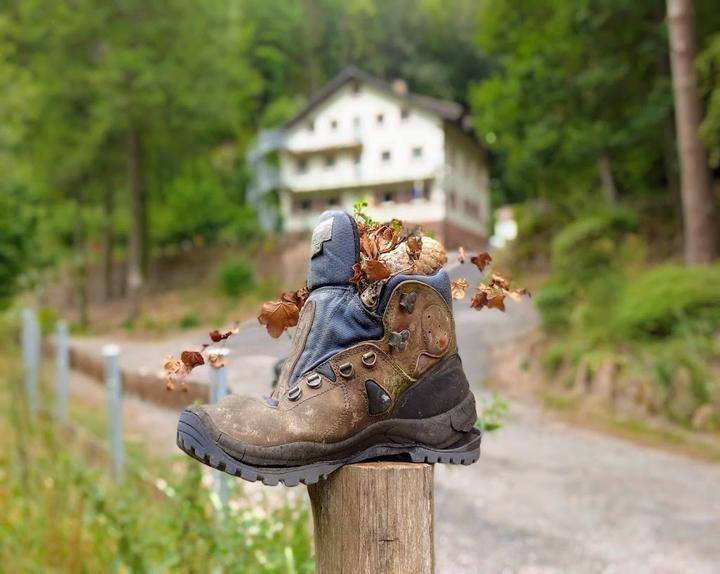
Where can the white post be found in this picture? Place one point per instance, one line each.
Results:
(218, 389)
(62, 356)
(111, 357)
(31, 357)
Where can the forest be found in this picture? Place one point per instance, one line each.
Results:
(125, 127)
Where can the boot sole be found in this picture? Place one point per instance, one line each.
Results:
(193, 440)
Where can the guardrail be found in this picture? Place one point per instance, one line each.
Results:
(371, 517)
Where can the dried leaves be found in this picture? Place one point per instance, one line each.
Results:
(376, 240)
(490, 295)
(481, 260)
(458, 288)
(175, 369)
(282, 313)
(191, 359)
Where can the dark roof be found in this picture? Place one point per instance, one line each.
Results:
(447, 110)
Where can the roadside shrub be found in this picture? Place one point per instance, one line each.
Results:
(591, 245)
(236, 277)
(189, 320)
(554, 301)
(664, 299)
(589, 261)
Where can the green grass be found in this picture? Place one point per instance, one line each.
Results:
(61, 512)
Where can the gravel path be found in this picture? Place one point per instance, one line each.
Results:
(544, 498)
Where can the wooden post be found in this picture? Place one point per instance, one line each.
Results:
(374, 518)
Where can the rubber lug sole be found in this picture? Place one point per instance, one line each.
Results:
(193, 440)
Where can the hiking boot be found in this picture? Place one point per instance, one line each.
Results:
(362, 381)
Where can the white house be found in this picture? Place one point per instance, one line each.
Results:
(409, 156)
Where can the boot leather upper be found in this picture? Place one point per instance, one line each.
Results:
(322, 394)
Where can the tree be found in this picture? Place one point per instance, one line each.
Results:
(699, 212)
(143, 89)
(578, 104)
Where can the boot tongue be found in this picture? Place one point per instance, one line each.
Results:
(334, 249)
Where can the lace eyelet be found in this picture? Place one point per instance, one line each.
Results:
(369, 359)
(346, 370)
(314, 381)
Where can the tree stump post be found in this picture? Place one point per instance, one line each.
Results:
(374, 518)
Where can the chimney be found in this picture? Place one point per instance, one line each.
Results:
(399, 86)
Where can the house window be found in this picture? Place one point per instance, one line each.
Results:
(380, 119)
(355, 88)
(329, 161)
(302, 165)
(452, 200)
(416, 192)
(311, 126)
(385, 156)
(333, 125)
(387, 197)
(404, 113)
(303, 205)
(471, 208)
(333, 201)
(417, 152)
(356, 158)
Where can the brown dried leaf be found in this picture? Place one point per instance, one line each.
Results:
(216, 336)
(216, 360)
(171, 365)
(458, 288)
(278, 316)
(357, 273)
(368, 246)
(461, 255)
(497, 302)
(191, 359)
(481, 260)
(499, 281)
(414, 246)
(479, 300)
(375, 270)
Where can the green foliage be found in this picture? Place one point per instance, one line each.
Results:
(566, 95)
(591, 246)
(493, 413)
(658, 302)
(554, 301)
(16, 225)
(709, 68)
(589, 259)
(189, 320)
(236, 277)
(197, 205)
(62, 514)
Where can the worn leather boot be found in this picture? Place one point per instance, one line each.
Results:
(362, 381)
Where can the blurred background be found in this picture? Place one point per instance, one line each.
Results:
(161, 165)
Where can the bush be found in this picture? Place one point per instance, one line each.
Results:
(591, 245)
(662, 299)
(589, 259)
(236, 277)
(189, 320)
(554, 301)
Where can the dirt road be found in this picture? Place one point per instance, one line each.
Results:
(544, 497)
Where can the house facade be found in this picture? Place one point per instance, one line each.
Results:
(360, 138)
